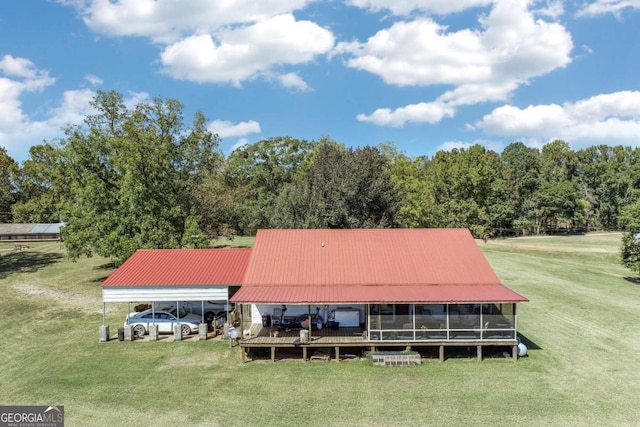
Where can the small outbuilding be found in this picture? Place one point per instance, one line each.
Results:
(30, 232)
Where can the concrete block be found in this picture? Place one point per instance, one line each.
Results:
(177, 332)
(153, 332)
(128, 333)
(202, 331)
(104, 333)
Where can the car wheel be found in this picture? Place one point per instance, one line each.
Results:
(186, 330)
(209, 317)
(139, 330)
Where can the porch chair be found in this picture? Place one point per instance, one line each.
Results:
(276, 319)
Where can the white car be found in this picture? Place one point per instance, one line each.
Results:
(212, 309)
(164, 319)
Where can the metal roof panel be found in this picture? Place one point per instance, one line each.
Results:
(181, 267)
(367, 257)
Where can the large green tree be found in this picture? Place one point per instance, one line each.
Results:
(558, 202)
(463, 182)
(133, 175)
(409, 178)
(521, 176)
(8, 172)
(42, 184)
(606, 175)
(342, 188)
(257, 173)
(629, 222)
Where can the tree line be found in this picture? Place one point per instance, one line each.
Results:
(141, 177)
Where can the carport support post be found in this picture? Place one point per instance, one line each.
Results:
(128, 330)
(177, 328)
(104, 329)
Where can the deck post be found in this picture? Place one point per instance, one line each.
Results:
(304, 353)
(515, 353)
(408, 348)
(244, 354)
(479, 353)
(337, 353)
(442, 353)
(273, 354)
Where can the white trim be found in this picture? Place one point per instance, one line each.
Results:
(164, 293)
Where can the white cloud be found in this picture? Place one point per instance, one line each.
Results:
(292, 80)
(21, 76)
(22, 68)
(246, 51)
(74, 107)
(603, 7)
(554, 9)
(242, 142)
(213, 41)
(423, 112)
(166, 21)
(608, 118)
(18, 130)
(94, 80)
(135, 98)
(488, 144)
(406, 7)
(482, 65)
(225, 128)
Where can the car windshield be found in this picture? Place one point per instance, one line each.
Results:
(183, 313)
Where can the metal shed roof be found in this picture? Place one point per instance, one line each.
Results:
(181, 267)
(374, 265)
(30, 228)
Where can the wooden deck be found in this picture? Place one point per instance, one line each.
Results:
(336, 339)
(325, 337)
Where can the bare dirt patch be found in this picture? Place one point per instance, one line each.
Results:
(85, 303)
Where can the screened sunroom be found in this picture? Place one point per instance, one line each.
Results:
(441, 322)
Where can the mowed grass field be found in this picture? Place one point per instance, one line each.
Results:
(582, 368)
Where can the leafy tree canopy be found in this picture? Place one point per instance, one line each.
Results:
(133, 173)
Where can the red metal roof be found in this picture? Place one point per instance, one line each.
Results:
(360, 294)
(181, 267)
(373, 265)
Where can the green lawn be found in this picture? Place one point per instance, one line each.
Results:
(582, 368)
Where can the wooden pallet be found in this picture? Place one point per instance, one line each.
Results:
(395, 358)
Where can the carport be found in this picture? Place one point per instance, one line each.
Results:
(174, 276)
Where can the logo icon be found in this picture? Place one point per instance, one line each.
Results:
(32, 416)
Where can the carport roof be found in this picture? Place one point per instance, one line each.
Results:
(181, 267)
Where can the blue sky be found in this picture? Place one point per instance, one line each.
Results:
(424, 74)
